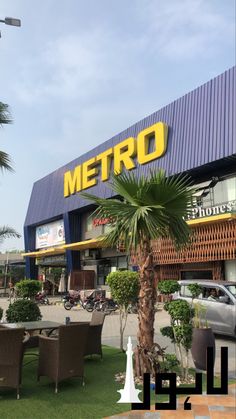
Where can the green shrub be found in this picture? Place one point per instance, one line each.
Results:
(23, 311)
(170, 363)
(195, 290)
(180, 331)
(168, 286)
(1, 312)
(28, 288)
(124, 286)
(179, 310)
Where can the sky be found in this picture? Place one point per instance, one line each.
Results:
(78, 72)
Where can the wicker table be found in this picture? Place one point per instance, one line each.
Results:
(33, 326)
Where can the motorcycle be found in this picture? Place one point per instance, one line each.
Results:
(41, 298)
(73, 299)
(107, 305)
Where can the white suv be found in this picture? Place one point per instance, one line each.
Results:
(219, 298)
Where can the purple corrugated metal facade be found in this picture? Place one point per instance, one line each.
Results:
(201, 130)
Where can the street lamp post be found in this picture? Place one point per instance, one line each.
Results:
(11, 21)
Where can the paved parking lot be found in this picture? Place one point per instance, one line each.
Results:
(111, 327)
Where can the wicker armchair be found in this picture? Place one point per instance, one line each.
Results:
(61, 358)
(94, 342)
(11, 355)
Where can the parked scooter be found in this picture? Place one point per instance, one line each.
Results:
(41, 298)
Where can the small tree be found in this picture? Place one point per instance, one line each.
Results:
(195, 290)
(1, 313)
(124, 289)
(28, 288)
(168, 286)
(180, 331)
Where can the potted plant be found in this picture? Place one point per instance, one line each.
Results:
(203, 336)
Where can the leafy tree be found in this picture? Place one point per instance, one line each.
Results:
(168, 286)
(28, 288)
(5, 163)
(195, 290)
(146, 209)
(124, 287)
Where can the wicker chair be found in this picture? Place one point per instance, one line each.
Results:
(94, 342)
(11, 355)
(62, 358)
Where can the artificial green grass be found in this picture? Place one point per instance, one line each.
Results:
(97, 399)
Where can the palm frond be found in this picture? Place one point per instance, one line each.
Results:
(152, 208)
(5, 117)
(5, 161)
(7, 232)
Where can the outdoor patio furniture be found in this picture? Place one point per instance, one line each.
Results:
(94, 342)
(11, 350)
(33, 329)
(61, 358)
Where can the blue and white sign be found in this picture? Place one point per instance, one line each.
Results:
(51, 234)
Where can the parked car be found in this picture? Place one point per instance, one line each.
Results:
(219, 298)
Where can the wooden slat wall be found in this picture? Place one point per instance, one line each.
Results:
(210, 242)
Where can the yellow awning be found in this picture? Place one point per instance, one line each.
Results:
(46, 252)
(87, 244)
(98, 242)
(212, 219)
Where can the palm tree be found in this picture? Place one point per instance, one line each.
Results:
(146, 209)
(5, 118)
(5, 163)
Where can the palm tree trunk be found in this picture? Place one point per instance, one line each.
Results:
(146, 310)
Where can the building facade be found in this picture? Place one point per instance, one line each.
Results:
(194, 135)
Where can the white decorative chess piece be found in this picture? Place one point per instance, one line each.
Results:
(129, 394)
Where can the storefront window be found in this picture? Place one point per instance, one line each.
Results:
(89, 223)
(122, 262)
(110, 265)
(222, 193)
(195, 275)
(225, 191)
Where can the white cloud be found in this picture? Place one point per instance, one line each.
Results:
(186, 28)
(74, 67)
